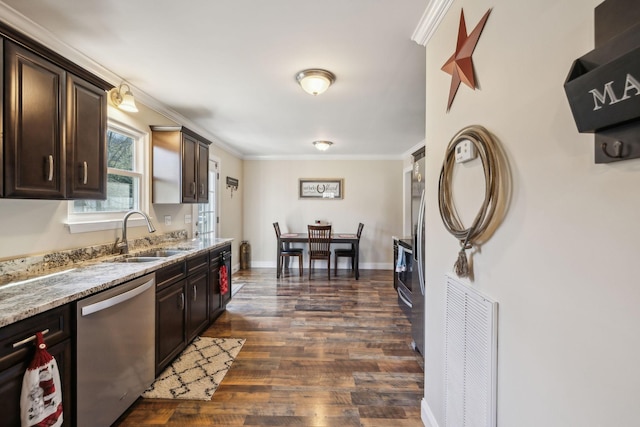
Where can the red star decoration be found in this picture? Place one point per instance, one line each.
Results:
(460, 65)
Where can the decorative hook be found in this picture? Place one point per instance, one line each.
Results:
(617, 150)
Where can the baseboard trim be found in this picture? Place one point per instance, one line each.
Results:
(323, 264)
(428, 419)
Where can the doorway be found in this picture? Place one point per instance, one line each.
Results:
(206, 226)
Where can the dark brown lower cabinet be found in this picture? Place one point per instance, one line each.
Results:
(16, 353)
(215, 299)
(198, 303)
(182, 307)
(170, 324)
(218, 301)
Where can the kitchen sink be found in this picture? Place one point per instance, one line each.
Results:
(138, 259)
(148, 256)
(161, 253)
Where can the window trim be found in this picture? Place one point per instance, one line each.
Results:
(99, 221)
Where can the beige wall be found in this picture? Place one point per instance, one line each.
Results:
(30, 227)
(372, 195)
(230, 208)
(561, 265)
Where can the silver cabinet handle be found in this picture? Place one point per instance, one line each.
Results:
(202, 189)
(193, 188)
(85, 170)
(195, 293)
(27, 340)
(50, 174)
(120, 298)
(182, 301)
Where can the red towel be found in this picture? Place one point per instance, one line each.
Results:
(224, 280)
(41, 397)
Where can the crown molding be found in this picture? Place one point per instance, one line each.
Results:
(431, 18)
(21, 23)
(331, 157)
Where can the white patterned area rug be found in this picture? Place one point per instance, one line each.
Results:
(198, 371)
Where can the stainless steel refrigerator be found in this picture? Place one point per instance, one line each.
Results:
(417, 220)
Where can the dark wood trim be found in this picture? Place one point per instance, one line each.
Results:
(418, 154)
(182, 129)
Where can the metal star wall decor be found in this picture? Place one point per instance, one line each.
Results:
(460, 65)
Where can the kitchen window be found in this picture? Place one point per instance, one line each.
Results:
(126, 189)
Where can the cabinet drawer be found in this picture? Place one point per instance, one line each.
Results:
(197, 262)
(16, 341)
(167, 275)
(215, 255)
(215, 259)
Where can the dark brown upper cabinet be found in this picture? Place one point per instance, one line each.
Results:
(34, 103)
(203, 172)
(180, 165)
(86, 140)
(54, 128)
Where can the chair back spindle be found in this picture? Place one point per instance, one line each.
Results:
(320, 245)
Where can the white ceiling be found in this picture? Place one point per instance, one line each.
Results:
(228, 67)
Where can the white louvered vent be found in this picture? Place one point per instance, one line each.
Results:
(471, 347)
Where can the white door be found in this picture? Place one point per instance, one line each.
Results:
(207, 224)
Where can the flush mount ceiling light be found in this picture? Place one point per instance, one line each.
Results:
(315, 81)
(123, 101)
(322, 145)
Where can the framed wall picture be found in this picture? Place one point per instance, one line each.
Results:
(312, 188)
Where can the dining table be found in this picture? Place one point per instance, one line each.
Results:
(348, 238)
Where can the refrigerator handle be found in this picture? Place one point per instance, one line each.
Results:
(420, 243)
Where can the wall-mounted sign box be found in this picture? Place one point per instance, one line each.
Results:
(603, 86)
(606, 95)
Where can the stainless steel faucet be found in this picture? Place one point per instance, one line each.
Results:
(123, 246)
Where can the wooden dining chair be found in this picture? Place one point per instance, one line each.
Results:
(320, 245)
(286, 252)
(348, 252)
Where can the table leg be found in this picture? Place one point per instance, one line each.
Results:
(287, 246)
(357, 260)
(279, 267)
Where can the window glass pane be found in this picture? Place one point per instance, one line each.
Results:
(120, 151)
(122, 195)
(207, 211)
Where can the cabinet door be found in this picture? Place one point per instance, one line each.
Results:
(227, 262)
(197, 303)
(86, 140)
(34, 106)
(203, 173)
(1, 120)
(189, 169)
(11, 386)
(215, 299)
(170, 324)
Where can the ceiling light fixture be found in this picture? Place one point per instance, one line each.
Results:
(322, 145)
(315, 81)
(123, 101)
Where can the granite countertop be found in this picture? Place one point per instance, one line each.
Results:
(36, 291)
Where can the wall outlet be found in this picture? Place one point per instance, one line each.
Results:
(167, 220)
(465, 151)
(187, 219)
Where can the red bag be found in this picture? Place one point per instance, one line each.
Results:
(224, 280)
(41, 397)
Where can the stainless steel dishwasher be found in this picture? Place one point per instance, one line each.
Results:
(115, 350)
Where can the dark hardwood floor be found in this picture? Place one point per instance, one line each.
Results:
(317, 353)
